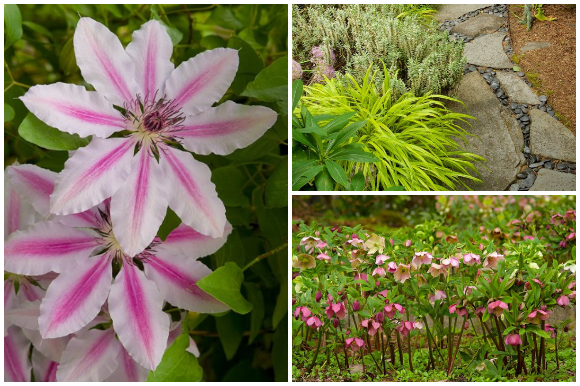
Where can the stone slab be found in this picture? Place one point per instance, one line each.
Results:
(550, 138)
(487, 51)
(535, 46)
(515, 133)
(480, 25)
(549, 180)
(491, 136)
(453, 11)
(516, 89)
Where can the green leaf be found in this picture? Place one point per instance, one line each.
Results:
(224, 17)
(277, 185)
(177, 365)
(352, 152)
(229, 182)
(255, 297)
(170, 222)
(542, 334)
(280, 352)
(271, 84)
(224, 285)
(67, 59)
(8, 112)
(337, 172)
(174, 34)
(358, 182)
(230, 331)
(12, 24)
(250, 64)
(314, 128)
(39, 133)
(345, 134)
(516, 68)
(323, 181)
(338, 123)
(297, 87)
(395, 189)
(232, 251)
(306, 177)
(38, 29)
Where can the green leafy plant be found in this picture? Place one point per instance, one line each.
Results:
(413, 137)
(319, 148)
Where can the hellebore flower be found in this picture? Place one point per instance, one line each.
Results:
(371, 325)
(304, 311)
(375, 244)
(391, 309)
(356, 343)
(402, 273)
(336, 322)
(337, 309)
(436, 270)
(497, 307)
(417, 325)
(383, 293)
(466, 326)
(314, 322)
(536, 316)
(356, 305)
(551, 330)
(392, 267)
(380, 317)
(421, 258)
(157, 106)
(479, 311)
(563, 301)
(513, 339)
(309, 243)
(455, 308)
(84, 257)
(379, 271)
(405, 328)
(468, 289)
(323, 256)
(381, 259)
(450, 262)
(361, 276)
(438, 295)
(471, 259)
(528, 285)
(303, 261)
(492, 259)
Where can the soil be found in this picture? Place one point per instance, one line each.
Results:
(555, 66)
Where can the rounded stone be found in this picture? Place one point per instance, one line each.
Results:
(526, 150)
(521, 74)
(518, 116)
(525, 118)
(514, 187)
(549, 165)
(495, 86)
(543, 98)
(522, 175)
(513, 106)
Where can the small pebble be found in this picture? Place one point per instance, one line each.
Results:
(521, 74)
(522, 175)
(495, 86)
(526, 150)
(543, 98)
(514, 187)
(525, 118)
(536, 165)
(549, 165)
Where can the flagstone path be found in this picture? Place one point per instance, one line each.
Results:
(525, 145)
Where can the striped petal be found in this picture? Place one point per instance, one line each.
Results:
(34, 184)
(44, 369)
(202, 80)
(25, 315)
(128, 370)
(50, 348)
(75, 297)
(192, 195)
(18, 214)
(135, 305)
(151, 50)
(17, 367)
(139, 206)
(91, 175)
(176, 276)
(73, 109)
(46, 246)
(193, 244)
(103, 62)
(89, 357)
(225, 128)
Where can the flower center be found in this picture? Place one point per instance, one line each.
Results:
(153, 117)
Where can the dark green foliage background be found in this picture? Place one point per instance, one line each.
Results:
(252, 182)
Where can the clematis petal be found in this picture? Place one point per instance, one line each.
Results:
(46, 246)
(192, 195)
(73, 109)
(103, 61)
(139, 206)
(89, 357)
(50, 348)
(34, 185)
(176, 276)
(18, 214)
(92, 174)
(201, 81)
(128, 370)
(44, 369)
(17, 368)
(135, 305)
(193, 244)
(24, 316)
(225, 128)
(75, 297)
(151, 50)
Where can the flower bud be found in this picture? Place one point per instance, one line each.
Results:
(335, 322)
(408, 243)
(318, 296)
(356, 305)
(293, 301)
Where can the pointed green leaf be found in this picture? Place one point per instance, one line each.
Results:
(177, 365)
(224, 285)
(39, 133)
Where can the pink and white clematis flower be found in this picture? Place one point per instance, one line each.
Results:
(157, 107)
(84, 257)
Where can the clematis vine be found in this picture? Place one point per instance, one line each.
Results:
(154, 106)
(83, 248)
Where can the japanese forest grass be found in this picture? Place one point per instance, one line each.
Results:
(413, 137)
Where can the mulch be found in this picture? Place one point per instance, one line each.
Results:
(555, 65)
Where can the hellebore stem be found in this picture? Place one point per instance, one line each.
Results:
(431, 359)
(556, 344)
(543, 347)
(400, 346)
(320, 332)
(456, 348)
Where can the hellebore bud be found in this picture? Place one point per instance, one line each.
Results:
(318, 296)
(356, 305)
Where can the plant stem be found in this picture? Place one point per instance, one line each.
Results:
(400, 346)
(519, 365)
(264, 255)
(536, 355)
(320, 332)
(456, 348)
(543, 347)
(431, 359)
(556, 344)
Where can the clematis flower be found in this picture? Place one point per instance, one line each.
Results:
(563, 301)
(85, 256)
(380, 260)
(436, 270)
(497, 307)
(337, 309)
(492, 259)
(157, 106)
(513, 339)
(421, 258)
(356, 343)
(372, 325)
(323, 256)
(402, 273)
(379, 271)
(375, 244)
(405, 328)
(438, 295)
(471, 259)
(391, 309)
(303, 261)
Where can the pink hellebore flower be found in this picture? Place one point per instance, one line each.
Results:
(563, 301)
(392, 267)
(161, 106)
(497, 307)
(421, 258)
(391, 309)
(379, 271)
(438, 295)
(371, 325)
(417, 325)
(536, 316)
(479, 311)
(321, 245)
(450, 262)
(356, 343)
(551, 330)
(492, 259)
(436, 270)
(454, 308)
(337, 309)
(468, 290)
(381, 259)
(314, 322)
(513, 339)
(309, 243)
(318, 296)
(383, 293)
(83, 248)
(323, 256)
(402, 273)
(471, 259)
(528, 285)
(405, 328)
